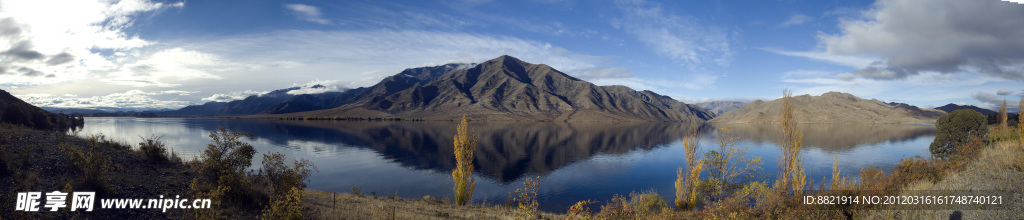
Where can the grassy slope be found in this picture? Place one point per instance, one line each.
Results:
(327, 205)
(994, 169)
(37, 163)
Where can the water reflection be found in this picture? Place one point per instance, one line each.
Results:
(505, 151)
(836, 137)
(576, 161)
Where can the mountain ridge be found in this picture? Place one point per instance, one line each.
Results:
(831, 107)
(953, 107)
(506, 88)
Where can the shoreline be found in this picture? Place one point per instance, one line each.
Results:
(133, 177)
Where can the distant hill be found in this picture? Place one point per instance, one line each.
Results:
(831, 107)
(505, 88)
(720, 107)
(953, 107)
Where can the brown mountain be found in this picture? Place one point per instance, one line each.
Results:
(506, 88)
(831, 107)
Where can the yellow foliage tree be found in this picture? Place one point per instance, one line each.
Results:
(793, 178)
(687, 182)
(465, 144)
(1002, 118)
(1020, 122)
(728, 169)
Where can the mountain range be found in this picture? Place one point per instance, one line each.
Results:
(509, 89)
(831, 107)
(504, 88)
(953, 107)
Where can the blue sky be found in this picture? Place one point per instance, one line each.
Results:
(143, 54)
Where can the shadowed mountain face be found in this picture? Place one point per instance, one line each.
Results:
(831, 107)
(505, 151)
(953, 107)
(836, 137)
(506, 88)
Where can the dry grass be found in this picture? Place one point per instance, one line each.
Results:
(994, 169)
(328, 205)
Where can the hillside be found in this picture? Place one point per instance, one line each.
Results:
(720, 107)
(506, 88)
(953, 107)
(831, 107)
(16, 111)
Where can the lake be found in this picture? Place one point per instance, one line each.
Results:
(575, 161)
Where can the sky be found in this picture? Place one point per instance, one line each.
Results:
(143, 54)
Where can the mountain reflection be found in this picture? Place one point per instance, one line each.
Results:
(836, 137)
(505, 151)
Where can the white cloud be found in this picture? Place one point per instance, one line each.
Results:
(363, 58)
(317, 87)
(308, 13)
(174, 65)
(796, 19)
(1004, 92)
(234, 95)
(50, 44)
(910, 37)
(681, 38)
(131, 99)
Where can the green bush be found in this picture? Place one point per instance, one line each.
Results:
(153, 150)
(956, 129)
(281, 177)
(222, 167)
(285, 206)
(93, 164)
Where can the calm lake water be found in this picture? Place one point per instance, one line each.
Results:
(575, 161)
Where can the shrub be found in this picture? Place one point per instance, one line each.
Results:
(635, 206)
(285, 206)
(526, 198)
(93, 164)
(222, 166)
(153, 150)
(281, 177)
(580, 210)
(728, 170)
(465, 144)
(956, 128)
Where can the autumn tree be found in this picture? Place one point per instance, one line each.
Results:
(687, 182)
(1002, 117)
(1020, 122)
(465, 144)
(727, 168)
(793, 178)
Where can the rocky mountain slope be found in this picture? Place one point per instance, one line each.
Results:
(506, 88)
(831, 107)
